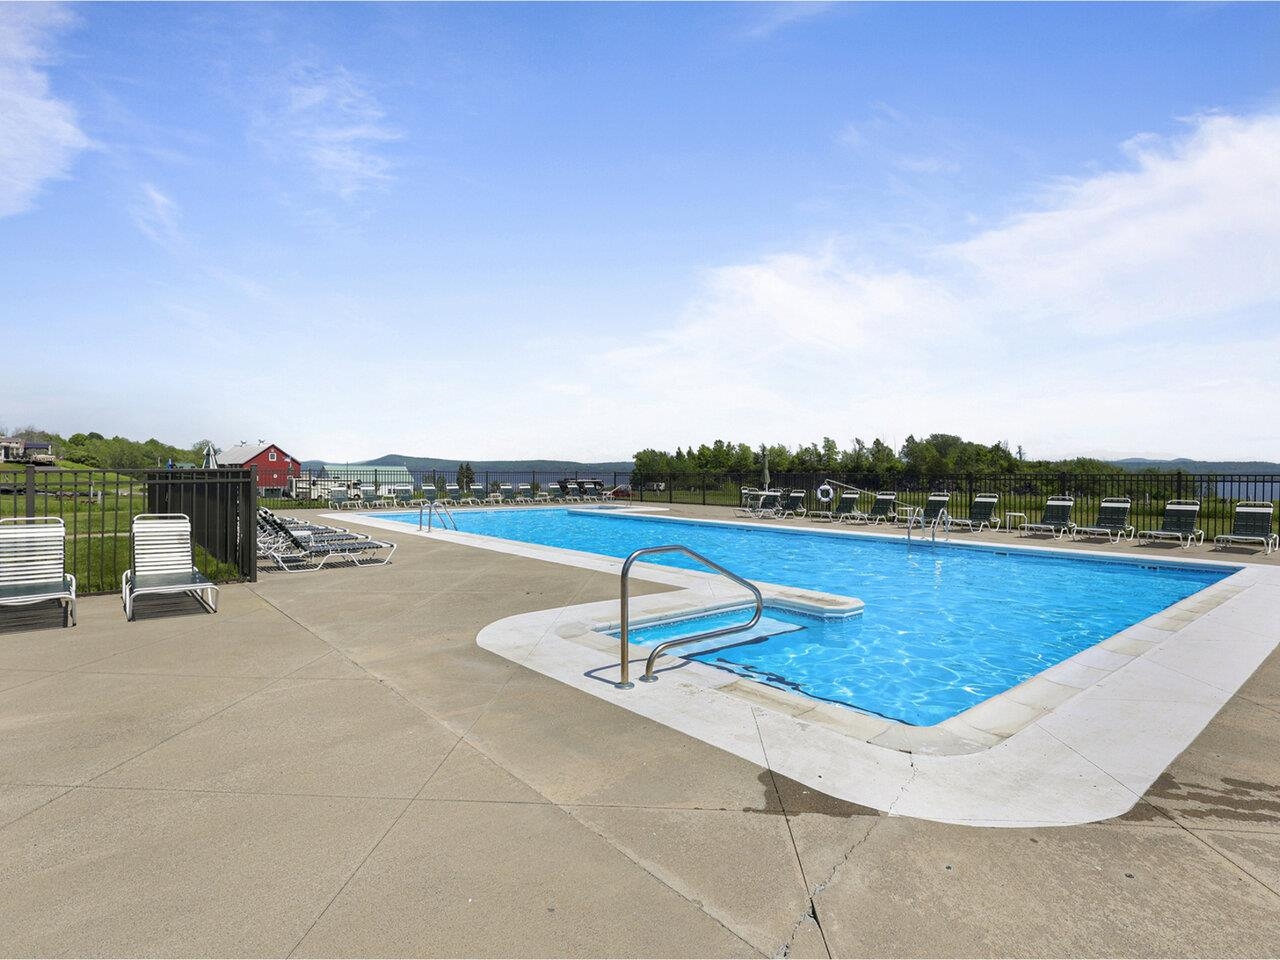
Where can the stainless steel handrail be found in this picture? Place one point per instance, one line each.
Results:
(432, 508)
(624, 682)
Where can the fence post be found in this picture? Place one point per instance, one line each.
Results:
(704, 489)
(31, 490)
(1062, 484)
(1178, 483)
(249, 527)
(671, 489)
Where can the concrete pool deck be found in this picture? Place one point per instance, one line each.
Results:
(331, 766)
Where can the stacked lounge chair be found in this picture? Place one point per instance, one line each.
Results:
(1179, 523)
(476, 495)
(982, 513)
(1251, 523)
(451, 496)
(295, 551)
(1056, 519)
(1112, 523)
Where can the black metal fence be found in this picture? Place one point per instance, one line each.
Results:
(1023, 493)
(98, 506)
(1019, 493)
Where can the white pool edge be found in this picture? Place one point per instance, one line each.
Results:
(1086, 759)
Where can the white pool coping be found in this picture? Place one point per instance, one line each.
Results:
(1081, 742)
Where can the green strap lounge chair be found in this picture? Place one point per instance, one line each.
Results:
(1179, 523)
(768, 506)
(1251, 524)
(1112, 523)
(933, 514)
(982, 513)
(1056, 519)
(883, 510)
(844, 510)
(163, 562)
(33, 562)
(793, 505)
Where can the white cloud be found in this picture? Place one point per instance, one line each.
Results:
(329, 121)
(1191, 231)
(39, 138)
(1133, 309)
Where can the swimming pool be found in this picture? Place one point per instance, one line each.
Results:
(945, 626)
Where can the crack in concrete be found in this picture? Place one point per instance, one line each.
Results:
(817, 890)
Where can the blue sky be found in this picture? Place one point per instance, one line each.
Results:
(576, 230)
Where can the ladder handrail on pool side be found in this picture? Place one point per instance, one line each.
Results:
(625, 602)
(433, 508)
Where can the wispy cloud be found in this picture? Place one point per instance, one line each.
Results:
(39, 136)
(157, 216)
(920, 145)
(328, 119)
(769, 18)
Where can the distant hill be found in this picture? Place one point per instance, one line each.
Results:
(427, 464)
(1198, 466)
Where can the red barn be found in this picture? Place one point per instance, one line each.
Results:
(275, 467)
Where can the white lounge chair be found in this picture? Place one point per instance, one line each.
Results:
(33, 562)
(163, 562)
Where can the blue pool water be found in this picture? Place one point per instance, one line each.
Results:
(945, 626)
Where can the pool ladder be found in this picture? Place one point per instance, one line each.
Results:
(624, 665)
(436, 509)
